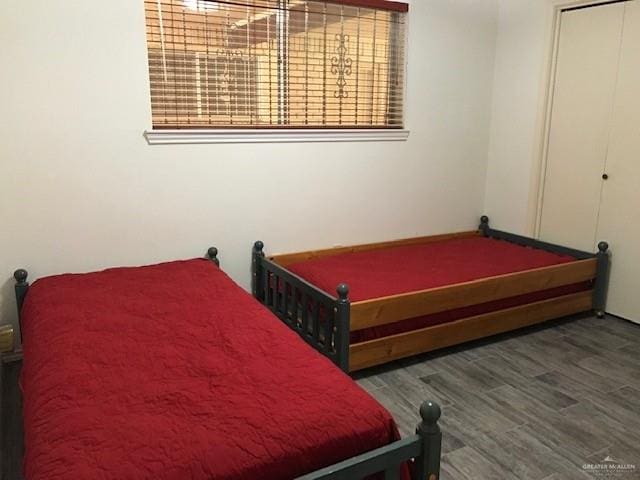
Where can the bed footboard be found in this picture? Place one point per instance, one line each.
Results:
(422, 451)
(321, 319)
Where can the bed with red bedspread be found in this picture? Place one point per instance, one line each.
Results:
(408, 268)
(172, 371)
(411, 296)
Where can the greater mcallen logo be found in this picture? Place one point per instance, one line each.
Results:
(609, 467)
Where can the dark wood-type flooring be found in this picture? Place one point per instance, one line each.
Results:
(537, 404)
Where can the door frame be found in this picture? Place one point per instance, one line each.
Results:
(543, 129)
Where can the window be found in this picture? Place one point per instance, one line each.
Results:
(202, 86)
(276, 63)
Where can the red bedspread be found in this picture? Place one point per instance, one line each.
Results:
(174, 372)
(390, 271)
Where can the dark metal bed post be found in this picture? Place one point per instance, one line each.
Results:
(484, 225)
(257, 255)
(602, 274)
(343, 328)
(212, 254)
(428, 465)
(21, 289)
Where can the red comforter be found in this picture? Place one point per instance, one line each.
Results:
(172, 371)
(390, 271)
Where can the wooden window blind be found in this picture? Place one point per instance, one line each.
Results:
(276, 63)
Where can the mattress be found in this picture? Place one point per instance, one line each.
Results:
(172, 371)
(408, 268)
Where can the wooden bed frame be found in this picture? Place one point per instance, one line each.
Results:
(303, 306)
(421, 451)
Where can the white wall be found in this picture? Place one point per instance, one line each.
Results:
(523, 38)
(80, 189)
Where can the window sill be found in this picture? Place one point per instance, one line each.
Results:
(185, 137)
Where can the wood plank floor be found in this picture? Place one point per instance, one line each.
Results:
(536, 404)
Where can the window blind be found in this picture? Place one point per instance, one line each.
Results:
(276, 63)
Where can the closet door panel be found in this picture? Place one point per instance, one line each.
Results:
(620, 209)
(588, 52)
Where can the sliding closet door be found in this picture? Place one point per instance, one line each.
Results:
(620, 208)
(586, 72)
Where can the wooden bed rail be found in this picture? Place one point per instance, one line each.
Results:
(287, 259)
(422, 451)
(402, 345)
(385, 310)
